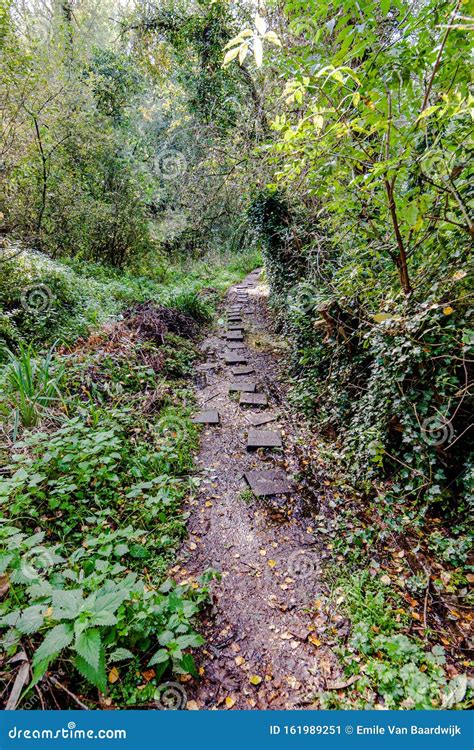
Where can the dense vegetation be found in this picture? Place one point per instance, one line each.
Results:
(149, 153)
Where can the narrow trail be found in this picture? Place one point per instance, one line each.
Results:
(262, 647)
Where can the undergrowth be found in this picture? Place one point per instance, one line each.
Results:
(98, 460)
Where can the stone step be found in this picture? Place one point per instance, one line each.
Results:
(246, 386)
(236, 345)
(259, 419)
(245, 370)
(266, 483)
(235, 358)
(255, 399)
(234, 336)
(206, 417)
(263, 439)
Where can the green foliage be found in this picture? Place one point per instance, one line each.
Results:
(368, 260)
(394, 671)
(32, 384)
(79, 611)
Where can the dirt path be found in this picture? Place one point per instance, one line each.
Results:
(263, 634)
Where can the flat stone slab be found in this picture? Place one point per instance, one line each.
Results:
(208, 366)
(255, 399)
(246, 386)
(234, 336)
(265, 483)
(235, 327)
(206, 417)
(263, 439)
(234, 358)
(246, 370)
(258, 419)
(236, 345)
(235, 319)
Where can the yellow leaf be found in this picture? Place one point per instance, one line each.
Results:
(231, 55)
(448, 310)
(243, 52)
(380, 317)
(271, 563)
(113, 675)
(315, 641)
(271, 37)
(239, 660)
(260, 24)
(229, 701)
(255, 679)
(258, 51)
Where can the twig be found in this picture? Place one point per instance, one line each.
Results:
(58, 684)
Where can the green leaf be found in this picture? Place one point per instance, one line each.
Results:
(110, 601)
(57, 639)
(88, 645)
(160, 657)
(67, 604)
(120, 654)
(97, 677)
(31, 619)
(188, 665)
(165, 637)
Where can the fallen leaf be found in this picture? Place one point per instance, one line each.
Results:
(271, 563)
(192, 706)
(448, 310)
(230, 701)
(255, 679)
(113, 675)
(239, 660)
(148, 675)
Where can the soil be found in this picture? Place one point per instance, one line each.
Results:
(262, 646)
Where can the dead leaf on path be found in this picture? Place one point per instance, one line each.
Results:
(192, 706)
(315, 641)
(113, 675)
(239, 660)
(272, 563)
(255, 679)
(230, 701)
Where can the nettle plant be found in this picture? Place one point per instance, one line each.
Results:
(88, 609)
